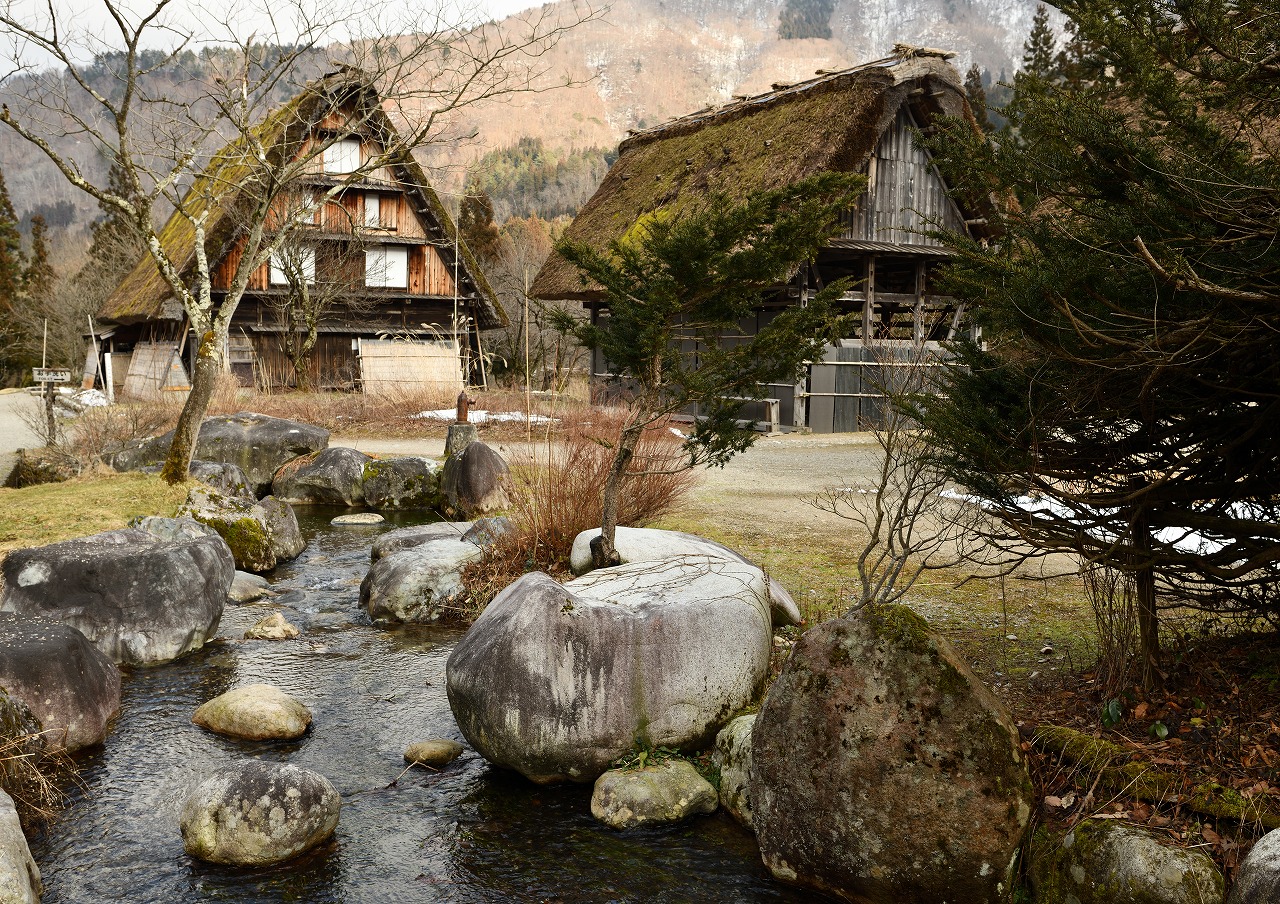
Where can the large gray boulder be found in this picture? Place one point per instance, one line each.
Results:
(254, 712)
(332, 477)
(19, 875)
(226, 478)
(732, 756)
(139, 599)
(256, 443)
(411, 482)
(258, 813)
(408, 537)
(883, 770)
(1101, 862)
(669, 791)
(66, 682)
(1258, 877)
(646, 544)
(558, 681)
(474, 482)
(261, 534)
(417, 585)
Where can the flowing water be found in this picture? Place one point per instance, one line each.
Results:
(469, 833)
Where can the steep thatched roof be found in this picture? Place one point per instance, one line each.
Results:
(225, 185)
(829, 123)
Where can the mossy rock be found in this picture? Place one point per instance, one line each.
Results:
(883, 769)
(1104, 862)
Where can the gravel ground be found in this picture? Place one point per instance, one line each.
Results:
(14, 432)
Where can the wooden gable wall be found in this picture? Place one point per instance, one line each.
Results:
(905, 195)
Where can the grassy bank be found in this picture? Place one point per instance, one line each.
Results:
(37, 515)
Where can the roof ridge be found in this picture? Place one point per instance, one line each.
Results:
(902, 53)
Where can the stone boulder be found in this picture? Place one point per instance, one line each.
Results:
(408, 537)
(645, 544)
(358, 519)
(19, 875)
(246, 588)
(23, 738)
(1102, 862)
(417, 585)
(139, 599)
(436, 752)
(255, 443)
(1258, 877)
(331, 477)
(173, 529)
(260, 534)
(258, 813)
(475, 482)
(272, 627)
(732, 756)
(666, 792)
(558, 681)
(226, 478)
(66, 682)
(412, 482)
(254, 712)
(883, 770)
(488, 531)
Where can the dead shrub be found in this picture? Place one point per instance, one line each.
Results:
(1111, 593)
(558, 490)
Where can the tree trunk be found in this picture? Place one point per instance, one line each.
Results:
(603, 553)
(1148, 619)
(204, 378)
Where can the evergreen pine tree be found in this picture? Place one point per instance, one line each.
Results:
(1039, 53)
(977, 96)
(11, 258)
(475, 223)
(39, 277)
(806, 19)
(116, 245)
(1128, 381)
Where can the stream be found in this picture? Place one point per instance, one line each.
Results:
(469, 833)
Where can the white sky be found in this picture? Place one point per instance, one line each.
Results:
(89, 25)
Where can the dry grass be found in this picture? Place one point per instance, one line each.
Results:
(558, 494)
(94, 502)
(35, 777)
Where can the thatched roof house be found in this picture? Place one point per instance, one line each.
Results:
(389, 213)
(854, 120)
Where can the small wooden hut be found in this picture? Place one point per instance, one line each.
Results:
(858, 120)
(404, 300)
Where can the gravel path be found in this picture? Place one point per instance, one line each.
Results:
(14, 432)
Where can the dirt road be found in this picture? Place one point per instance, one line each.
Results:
(14, 432)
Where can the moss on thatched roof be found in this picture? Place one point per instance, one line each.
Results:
(830, 123)
(226, 184)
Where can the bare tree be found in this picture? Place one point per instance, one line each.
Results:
(414, 73)
(911, 521)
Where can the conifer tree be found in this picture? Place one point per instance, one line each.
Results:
(1040, 51)
(676, 282)
(475, 222)
(39, 277)
(1126, 405)
(806, 19)
(977, 97)
(11, 258)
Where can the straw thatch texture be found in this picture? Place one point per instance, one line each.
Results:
(831, 123)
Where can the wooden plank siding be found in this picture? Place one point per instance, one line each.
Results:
(905, 195)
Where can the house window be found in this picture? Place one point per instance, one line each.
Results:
(290, 266)
(387, 266)
(372, 212)
(342, 156)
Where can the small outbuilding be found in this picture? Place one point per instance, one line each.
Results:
(396, 300)
(855, 120)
